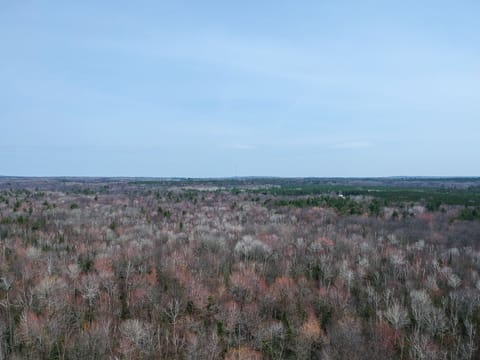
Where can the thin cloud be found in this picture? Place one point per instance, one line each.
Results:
(353, 145)
(241, 147)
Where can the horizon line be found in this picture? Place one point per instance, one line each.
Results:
(396, 177)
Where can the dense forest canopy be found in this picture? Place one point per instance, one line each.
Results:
(240, 268)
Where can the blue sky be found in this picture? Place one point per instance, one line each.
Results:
(234, 88)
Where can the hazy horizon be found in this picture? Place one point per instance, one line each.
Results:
(213, 89)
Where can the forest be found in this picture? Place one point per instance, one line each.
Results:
(240, 268)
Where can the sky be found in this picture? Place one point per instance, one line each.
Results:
(239, 88)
